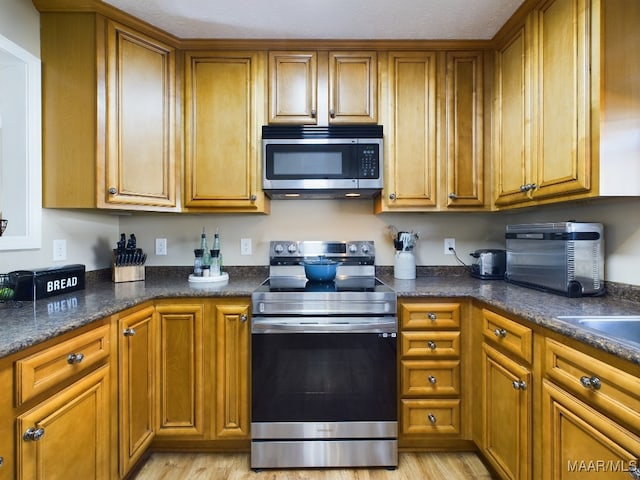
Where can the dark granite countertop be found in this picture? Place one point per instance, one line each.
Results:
(35, 322)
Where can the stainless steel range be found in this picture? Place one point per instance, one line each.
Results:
(323, 361)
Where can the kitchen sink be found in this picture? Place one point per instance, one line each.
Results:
(626, 328)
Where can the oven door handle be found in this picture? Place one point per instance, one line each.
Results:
(346, 325)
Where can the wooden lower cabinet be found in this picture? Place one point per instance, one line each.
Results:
(180, 377)
(579, 442)
(67, 435)
(136, 385)
(507, 414)
(232, 362)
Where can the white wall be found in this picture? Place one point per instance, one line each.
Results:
(90, 236)
(87, 233)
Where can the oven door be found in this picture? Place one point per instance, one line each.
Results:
(323, 377)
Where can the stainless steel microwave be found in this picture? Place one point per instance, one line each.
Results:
(336, 161)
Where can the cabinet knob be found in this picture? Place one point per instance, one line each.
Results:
(431, 344)
(332, 113)
(129, 332)
(591, 382)
(519, 385)
(432, 418)
(33, 434)
(432, 379)
(113, 190)
(253, 197)
(432, 316)
(634, 472)
(392, 196)
(313, 113)
(452, 196)
(75, 358)
(500, 332)
(244, 317)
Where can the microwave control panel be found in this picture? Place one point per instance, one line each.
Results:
(368, 161)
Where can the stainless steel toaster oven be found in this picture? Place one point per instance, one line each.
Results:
(563, 257)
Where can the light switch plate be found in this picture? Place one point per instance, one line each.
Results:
(245, 246)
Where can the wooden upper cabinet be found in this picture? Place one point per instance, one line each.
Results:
(464, 129)
(543, 106)
(512, 106)
(321, 88)
(411, 133)
(108, 115)
(293, 84)
(140, 166)
(224, 98)
(353, 87)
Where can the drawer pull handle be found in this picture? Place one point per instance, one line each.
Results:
(500, 332)
(432, 316)
(432, 418)
(33, 434)
(519, 384)
(432, 345)
(432, 379)
(129, 332)
(591, 382)
(74, 358)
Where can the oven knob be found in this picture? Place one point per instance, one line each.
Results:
(278, 248)
(365, 248)
(353, 248)
(292, 248)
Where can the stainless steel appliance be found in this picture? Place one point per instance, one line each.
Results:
(336, 161)
(323, 377)
(563, 257)
(489, 263)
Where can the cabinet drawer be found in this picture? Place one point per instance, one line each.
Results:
(430, 344)
(422, 316)
(609, 389)
(430, 417)
(44, 370)
(510, 335)
(429, 377)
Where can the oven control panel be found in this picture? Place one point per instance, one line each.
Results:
(358, 252)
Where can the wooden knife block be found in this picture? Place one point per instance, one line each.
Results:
(126, 273)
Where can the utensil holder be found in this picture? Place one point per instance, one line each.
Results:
(404, 266)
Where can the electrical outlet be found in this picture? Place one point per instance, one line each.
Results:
(161, 246)
(449, 246)
(245, 246)
(59, 250)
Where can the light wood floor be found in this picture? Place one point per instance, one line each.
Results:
(218, 466)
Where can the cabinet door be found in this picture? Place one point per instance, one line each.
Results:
(353, 87)
(232, 335)
(580, 443)
(140, 164)
(223, 115)
(136, 384)
(464, 129)
(512, 119)
(180, 370)
(67, 436)
(411, 138)
(562, 160)
(506, 415)
(293, 87)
